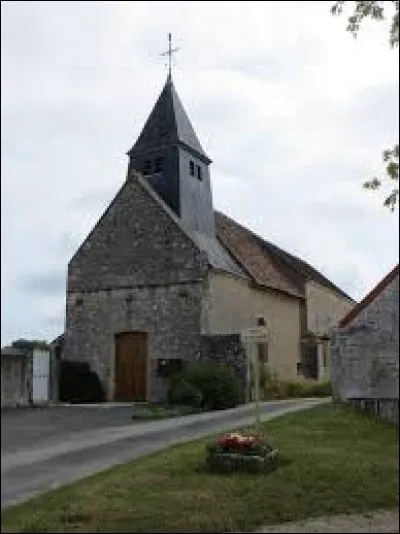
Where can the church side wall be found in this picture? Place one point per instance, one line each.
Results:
(324, 308)
(232, 305)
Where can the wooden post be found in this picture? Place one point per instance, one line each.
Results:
(256, 365)
(252, 337)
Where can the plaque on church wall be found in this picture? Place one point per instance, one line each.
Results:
(256, 334)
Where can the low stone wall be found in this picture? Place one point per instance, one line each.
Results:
(226, 349)
(15, 380)
(365, 357)
(387, 409)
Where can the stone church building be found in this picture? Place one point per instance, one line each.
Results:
(163, 278)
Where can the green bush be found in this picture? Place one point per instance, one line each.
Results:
(322, 389)
(217, 385)
(273, 389)
(277, 388)
(180, 392)
(295, 388)
(79, 384)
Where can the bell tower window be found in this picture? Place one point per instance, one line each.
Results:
(147, 168)
(158, 165)
(199, 173)
(191, 166)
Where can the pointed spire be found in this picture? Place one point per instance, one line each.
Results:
(168, 123)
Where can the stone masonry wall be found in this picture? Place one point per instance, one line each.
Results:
(137, 241)
(170, 315)
(15, 380)
(137, 270)
(365, 354)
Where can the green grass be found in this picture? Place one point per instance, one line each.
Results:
(159, 411)
(334, 460)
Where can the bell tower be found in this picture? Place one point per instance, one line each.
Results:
(169, 154)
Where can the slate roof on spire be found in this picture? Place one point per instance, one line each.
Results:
(167, 124)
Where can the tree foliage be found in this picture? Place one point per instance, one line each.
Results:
(30, 344)
(377, 11)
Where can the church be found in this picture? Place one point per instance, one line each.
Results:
(163, 279)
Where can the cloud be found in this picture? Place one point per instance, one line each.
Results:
(292, 110)
(46, 284)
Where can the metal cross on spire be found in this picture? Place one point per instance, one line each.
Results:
(169, 53)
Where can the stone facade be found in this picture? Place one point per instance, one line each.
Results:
(365, 353)
(137, 271)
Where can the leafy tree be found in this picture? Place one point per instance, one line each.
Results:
(30, 344)
(376, 10)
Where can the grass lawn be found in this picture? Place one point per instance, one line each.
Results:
(334, 461)
(160, 411)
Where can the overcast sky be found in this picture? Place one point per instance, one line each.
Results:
(292, 110)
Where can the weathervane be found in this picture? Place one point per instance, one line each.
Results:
(169, 53)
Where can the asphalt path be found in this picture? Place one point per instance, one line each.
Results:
(42, 450)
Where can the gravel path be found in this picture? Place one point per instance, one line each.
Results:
(379, 521)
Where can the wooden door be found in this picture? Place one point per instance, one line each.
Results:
(130, 366)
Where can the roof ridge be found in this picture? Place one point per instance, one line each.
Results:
(259, 265)
(285, 257)
(370, 297)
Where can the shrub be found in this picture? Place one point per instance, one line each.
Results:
(273, 389)
(181, 392)
(277, 388)
(216, 384)
(79, 383)
(322, 389)
(295, 388)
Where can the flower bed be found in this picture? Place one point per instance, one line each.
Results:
(236, 452)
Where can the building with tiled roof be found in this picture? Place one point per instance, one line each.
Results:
(163, 278)
(365, 351)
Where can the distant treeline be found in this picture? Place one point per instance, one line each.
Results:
(30, 344)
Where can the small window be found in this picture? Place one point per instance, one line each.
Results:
(192, 168)
(147, 168)
(199, 176)
(158, 165)
(79, 302)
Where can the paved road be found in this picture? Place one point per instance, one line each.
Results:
(43, 449)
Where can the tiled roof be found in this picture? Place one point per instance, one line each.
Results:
(249, 252)
(370, 297)
(268, 264)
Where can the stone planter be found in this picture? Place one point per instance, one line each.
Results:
(220, 462)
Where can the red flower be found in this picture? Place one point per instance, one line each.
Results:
(236, 441)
